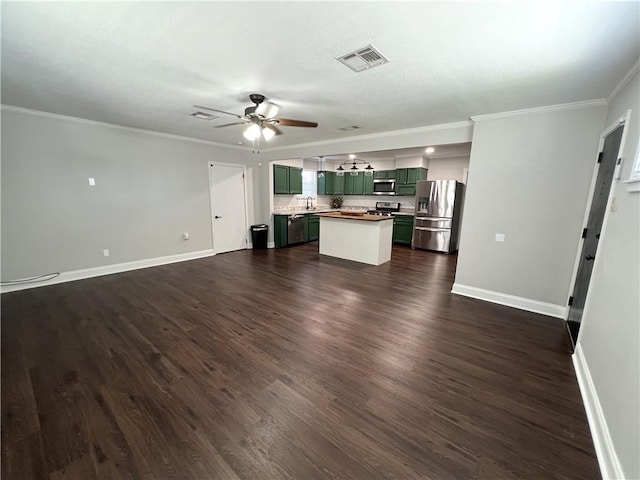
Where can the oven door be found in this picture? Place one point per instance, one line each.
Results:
(384, 187)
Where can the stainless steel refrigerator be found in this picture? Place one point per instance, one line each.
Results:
(437, 215)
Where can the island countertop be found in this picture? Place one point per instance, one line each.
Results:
(348, 216)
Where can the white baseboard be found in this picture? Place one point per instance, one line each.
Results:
(109, 269)
(610, 467)
(510, 300)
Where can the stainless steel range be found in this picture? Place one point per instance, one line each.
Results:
(385, 208)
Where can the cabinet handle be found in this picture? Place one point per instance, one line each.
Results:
(217, 217)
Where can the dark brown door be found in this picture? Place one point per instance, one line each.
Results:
(608, 162)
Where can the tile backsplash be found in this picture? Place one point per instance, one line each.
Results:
(290, 203)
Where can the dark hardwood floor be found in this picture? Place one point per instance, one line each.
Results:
(282, 364)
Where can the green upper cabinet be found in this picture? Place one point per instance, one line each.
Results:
(384, 174)
(326, 183)
(287, 180)
(280, 179)
(406, 179)
(354, 184)
(338, 185)
(295, 180)
(368, 184)
(416, 174)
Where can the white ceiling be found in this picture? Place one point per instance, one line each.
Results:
(145, 64)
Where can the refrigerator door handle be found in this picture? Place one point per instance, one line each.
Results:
(433, 229)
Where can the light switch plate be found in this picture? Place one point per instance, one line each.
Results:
(92, 181)
(105, 252)
(500, 237)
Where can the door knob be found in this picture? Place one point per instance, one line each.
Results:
(216, 217)
(589, 257)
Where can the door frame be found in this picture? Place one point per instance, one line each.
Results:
(210, 165)
(574, 276)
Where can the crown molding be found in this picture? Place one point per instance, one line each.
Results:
(600, 102)
(623, 83)
(377, 135)
(57, 116)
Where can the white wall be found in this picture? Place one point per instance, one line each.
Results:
(448, 168)
(610, 331)
(149, 189)
(529, 177)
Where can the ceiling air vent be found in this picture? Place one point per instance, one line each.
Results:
(363, 59)
(350, 127)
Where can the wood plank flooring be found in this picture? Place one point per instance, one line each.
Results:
(282, 364)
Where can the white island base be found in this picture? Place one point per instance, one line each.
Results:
(366, 240)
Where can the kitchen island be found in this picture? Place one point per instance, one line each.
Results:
(356, 237)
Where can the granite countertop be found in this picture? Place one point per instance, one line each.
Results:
(347, 216)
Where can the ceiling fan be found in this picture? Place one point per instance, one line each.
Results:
(261, 119)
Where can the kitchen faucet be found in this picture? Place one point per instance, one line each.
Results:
(309, 199)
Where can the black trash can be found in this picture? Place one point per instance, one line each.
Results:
(259, 236)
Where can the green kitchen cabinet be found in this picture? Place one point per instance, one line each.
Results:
(280, 228)
(382, 174)
(402, 229)
(295, 180)
(368, 184)
(326, 183)
(406, 179)
(416, 174)
(338, 185)
(287, 180)
(354, 184)
(313, 228)
(280, 179)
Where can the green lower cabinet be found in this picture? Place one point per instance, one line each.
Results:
(280, 227)
(402, 229)
(338, 185)
(314, 228)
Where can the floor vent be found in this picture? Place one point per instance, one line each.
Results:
(363, 59)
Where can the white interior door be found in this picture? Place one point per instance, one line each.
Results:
(228, 207)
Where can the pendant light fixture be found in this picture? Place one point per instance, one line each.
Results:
(354, 162)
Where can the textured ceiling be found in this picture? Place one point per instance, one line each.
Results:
(144, 64)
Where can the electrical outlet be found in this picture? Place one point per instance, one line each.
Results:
(92, 181)
(185, 235)
(500, 237)
(105, 252)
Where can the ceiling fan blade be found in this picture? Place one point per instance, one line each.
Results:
(229, 124)
(287, 122)
(219, 111)
(275, 129)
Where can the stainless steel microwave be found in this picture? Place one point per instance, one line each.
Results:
(384, 186)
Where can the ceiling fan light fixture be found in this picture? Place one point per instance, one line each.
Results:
(268, 133)
(354, 167)
(267, 110)
(252, 132)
